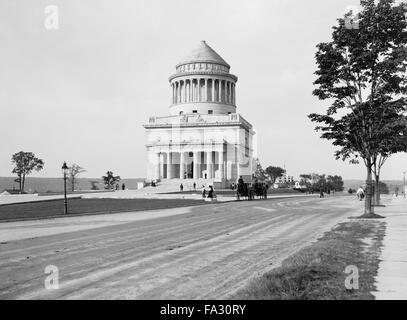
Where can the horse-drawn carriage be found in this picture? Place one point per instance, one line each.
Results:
(249, 191)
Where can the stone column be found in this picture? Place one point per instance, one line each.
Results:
(213, 90)
(209, 164)
(157, 166)
(178, 92)
(198, 90)
(182, 91)
(221, 165)
(220, 91)
(217, 91)
(206, 89)
(172, 93)
(186, 91)
(230, 92)
(169, 165)
(197, 173)
(190, 91)
(181, 165)
(161, 165)
(193, 91)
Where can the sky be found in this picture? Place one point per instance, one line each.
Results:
(81, 93)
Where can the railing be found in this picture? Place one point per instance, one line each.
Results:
(198, 118)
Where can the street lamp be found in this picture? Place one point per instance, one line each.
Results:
(65, 171)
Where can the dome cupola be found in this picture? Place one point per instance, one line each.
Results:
(202, 84)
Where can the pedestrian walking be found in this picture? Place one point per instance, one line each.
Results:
(360, 193)
(211, 192)
(181, 187)
(194, 186)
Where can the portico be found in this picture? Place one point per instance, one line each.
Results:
(190, 164)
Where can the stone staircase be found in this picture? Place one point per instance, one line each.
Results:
(173, 185)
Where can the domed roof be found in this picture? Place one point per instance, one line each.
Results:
(204, 53)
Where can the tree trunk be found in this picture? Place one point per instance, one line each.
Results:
(369, 212)
(20, 181)
(377, 190)
(73, 183)
(368, 198)
(23, 183)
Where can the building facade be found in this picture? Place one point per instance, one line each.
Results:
(203, 137)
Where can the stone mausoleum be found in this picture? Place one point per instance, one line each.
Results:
(203, 137)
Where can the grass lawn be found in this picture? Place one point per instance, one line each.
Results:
(317, 272)
(43, 209)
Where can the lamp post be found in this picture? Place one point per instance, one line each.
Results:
(64, 171)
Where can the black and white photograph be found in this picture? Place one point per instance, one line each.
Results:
(203, 154)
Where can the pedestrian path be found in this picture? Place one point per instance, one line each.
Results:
(391, 281)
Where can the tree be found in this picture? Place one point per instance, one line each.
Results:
(335, 183)
(382, 188)
(110, 180)
(73, 171)
(259, 173)
(319, 183)
(305, 180)
(362, 73)
(275, 173)
(24, 163)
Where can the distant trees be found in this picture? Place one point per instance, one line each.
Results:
(110, 180)
(382, 188)
(274, 173)
(73, 171)
(335, 183)
(318, 182)
(24, 163)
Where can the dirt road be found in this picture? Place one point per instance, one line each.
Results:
(205, 252)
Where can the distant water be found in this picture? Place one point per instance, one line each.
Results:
(355, 184)
(44, 185)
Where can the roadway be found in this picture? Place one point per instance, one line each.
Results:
(203, 252)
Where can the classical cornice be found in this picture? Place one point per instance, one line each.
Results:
(203, 73)
(202, 124)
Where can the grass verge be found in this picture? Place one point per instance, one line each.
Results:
(54, 208)
(317, 272)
